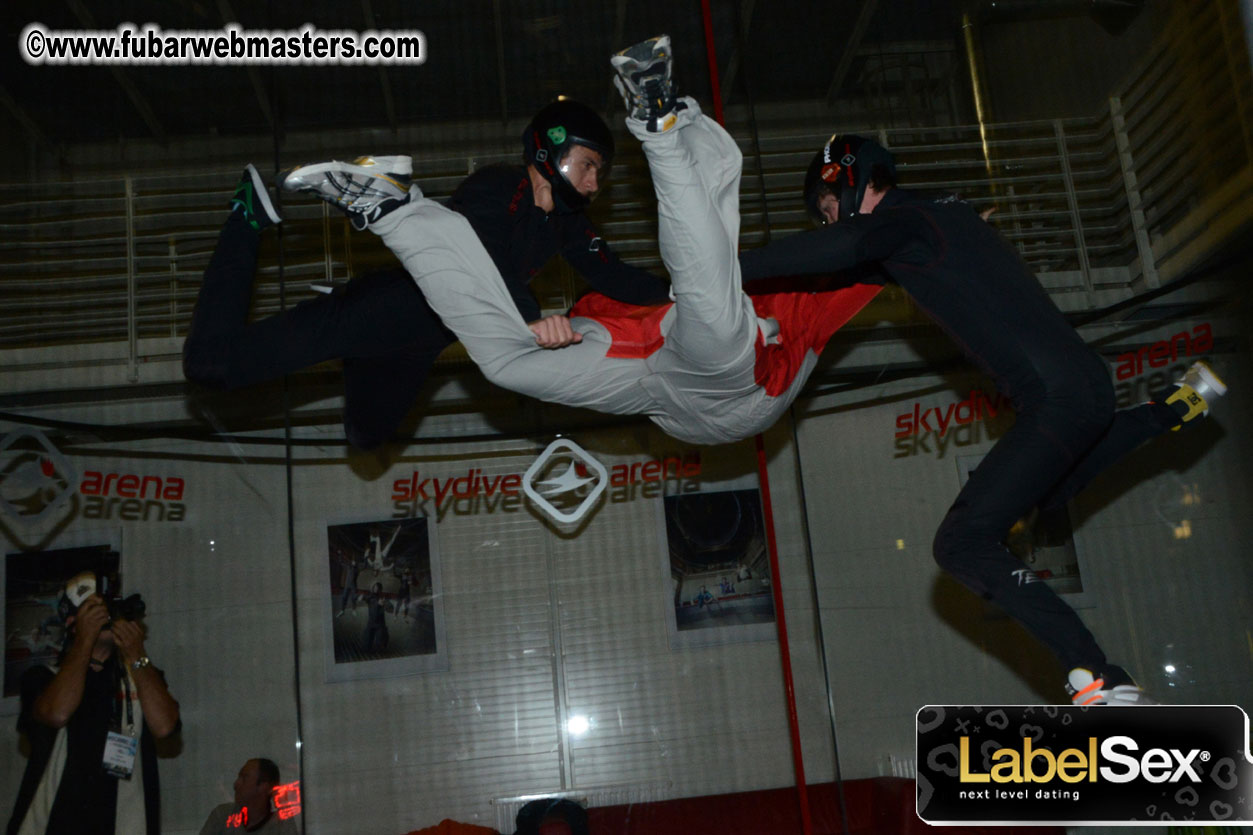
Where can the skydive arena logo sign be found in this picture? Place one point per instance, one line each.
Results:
(36, 481)
(1079, 766)
(561, 477)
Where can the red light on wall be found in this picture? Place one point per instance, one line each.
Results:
(287, 800)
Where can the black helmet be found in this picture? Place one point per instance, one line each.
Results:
(550, 136)
(844, 167)
(536, 813)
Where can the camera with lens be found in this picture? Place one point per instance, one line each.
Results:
(126, 608)
(87, 583)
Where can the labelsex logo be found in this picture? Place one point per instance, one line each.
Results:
(1074, 765)
(1079, 765)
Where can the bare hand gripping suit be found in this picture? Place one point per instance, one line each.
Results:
(702, 384)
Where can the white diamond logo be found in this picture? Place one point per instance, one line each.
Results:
(569, 482)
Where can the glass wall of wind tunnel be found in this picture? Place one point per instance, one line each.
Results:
(410, 638)
(112, 465)
(461, 652)
(399, 631)
(1118, 166)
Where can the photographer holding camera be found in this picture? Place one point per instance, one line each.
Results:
(91, 721)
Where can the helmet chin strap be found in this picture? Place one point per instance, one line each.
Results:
(566, 198)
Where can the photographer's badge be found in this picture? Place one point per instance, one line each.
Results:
(119, 755)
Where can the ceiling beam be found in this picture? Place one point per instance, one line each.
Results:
(258, 88)
(123, 79)
(908, 48)
(23, 118)
(385, 83)
(733, 65)
(619, 32)
(500, 61)
(850, 48)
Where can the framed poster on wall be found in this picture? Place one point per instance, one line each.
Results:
(384, 614)
(717, 567)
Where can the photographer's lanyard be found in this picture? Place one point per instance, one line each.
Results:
(121, 745)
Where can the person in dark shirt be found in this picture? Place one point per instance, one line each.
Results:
(252, 809)
(91, 722)
(974, 285)
(350, 593)
(379, 324)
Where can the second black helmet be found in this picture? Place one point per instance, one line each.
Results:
(845, 167)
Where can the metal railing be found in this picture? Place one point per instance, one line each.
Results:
(121, 259)
(1056, 187)
(1114, 201)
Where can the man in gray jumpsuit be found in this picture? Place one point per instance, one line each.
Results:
(704, 384)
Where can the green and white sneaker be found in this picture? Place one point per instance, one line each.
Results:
(253, 199)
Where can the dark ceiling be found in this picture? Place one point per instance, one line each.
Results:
(486, 59)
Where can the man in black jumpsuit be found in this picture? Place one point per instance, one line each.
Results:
(379, 324)
(976, 288)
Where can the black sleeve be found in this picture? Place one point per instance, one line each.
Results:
(33, 682)
(483, 199)
(591, 256)
(39, 736)
(40, 739)
(835, 248)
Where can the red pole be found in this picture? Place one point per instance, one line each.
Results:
(715, 86)
(776, 584)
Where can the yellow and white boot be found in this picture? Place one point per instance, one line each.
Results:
(1194, 392)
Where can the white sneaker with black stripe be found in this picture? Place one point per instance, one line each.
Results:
(643, 77)
(365, 189)
(252, 200)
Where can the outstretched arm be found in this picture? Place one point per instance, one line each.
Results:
(388, 547)
(836, 248)
(591, 255)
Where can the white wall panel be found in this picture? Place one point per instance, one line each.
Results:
(544, 623)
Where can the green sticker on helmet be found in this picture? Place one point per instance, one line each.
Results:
(557, 134)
